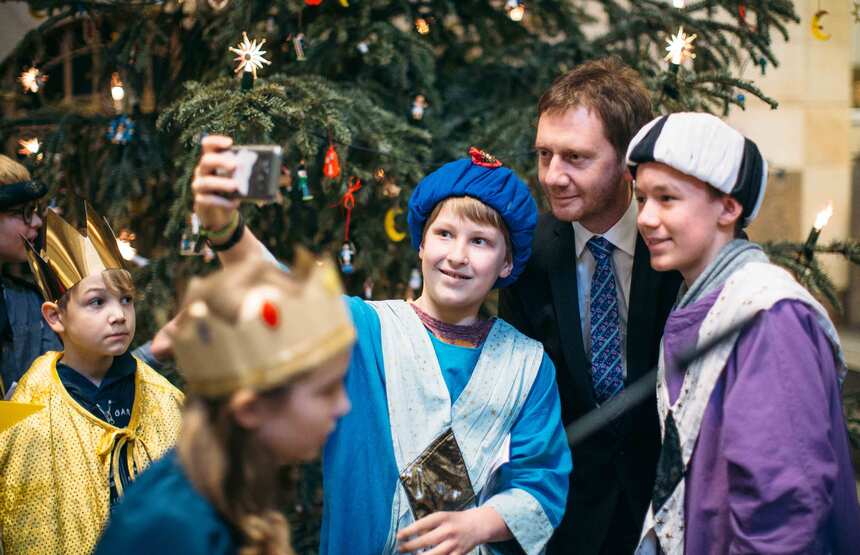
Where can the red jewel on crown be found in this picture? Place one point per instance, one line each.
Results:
(485, 159)
(269, 314)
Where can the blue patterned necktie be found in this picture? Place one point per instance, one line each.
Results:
(607, 374)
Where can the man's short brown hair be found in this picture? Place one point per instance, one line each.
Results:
(611, 89)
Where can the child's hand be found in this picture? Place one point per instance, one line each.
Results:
(212, 181)
(454, 533)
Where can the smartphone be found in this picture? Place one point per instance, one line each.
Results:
(258, 171)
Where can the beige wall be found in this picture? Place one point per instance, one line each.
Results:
(810, 134)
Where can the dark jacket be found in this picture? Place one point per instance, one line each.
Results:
(613, 471)
(30, 335)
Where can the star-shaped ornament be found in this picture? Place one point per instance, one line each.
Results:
(249, 55)
(680, 48)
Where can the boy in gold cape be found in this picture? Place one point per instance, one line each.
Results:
(106, 415)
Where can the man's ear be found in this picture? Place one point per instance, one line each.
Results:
(732, 211)
(53, 316)
(245, 406)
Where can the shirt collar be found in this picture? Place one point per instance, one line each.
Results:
(622, 235)
(122, 367)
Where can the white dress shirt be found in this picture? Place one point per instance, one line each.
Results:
(623, 236)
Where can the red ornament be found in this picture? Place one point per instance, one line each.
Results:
(485, 159)
(348, 202)
(331, 164)
(313, 2)
(269, 314)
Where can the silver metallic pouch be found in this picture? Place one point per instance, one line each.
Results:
(438, 479)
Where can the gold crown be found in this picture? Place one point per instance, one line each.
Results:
(256, 326)
(69, 256)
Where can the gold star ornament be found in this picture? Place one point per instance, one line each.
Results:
(249, 55)
(680, 47)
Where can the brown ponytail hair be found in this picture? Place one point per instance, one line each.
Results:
(231, 468)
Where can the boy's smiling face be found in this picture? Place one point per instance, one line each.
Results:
(684, 221)
(460, 262)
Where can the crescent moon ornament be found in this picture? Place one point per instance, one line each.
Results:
(817, 27)
(391, 225)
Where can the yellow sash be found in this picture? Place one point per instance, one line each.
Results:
(55, 465)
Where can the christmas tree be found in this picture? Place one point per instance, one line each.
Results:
(364, 97)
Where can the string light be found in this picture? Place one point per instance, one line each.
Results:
(30, 147)
(32, 80)
(823, 217)
(422, 26)
(680, 47)
(516, 10)
(117, 91)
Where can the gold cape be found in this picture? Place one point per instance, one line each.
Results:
(54, 465)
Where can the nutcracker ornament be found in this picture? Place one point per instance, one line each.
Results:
(302, 174)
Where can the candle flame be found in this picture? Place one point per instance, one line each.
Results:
(823, 217)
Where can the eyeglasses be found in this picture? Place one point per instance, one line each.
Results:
(25, 211)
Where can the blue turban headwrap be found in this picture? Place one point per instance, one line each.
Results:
(497, 187)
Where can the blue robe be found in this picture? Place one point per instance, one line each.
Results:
(162, 513)
(359, 468)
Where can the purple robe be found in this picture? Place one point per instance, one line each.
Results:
(771, 469)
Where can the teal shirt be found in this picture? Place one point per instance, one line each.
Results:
(359, 468)
(162, 513)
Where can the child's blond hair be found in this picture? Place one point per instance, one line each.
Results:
(11, 171)
(118, 282)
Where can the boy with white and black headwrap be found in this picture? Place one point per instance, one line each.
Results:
(755, 455)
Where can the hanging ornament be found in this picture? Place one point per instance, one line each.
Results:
(121, 130)
(218, 5)
(855, 11)
(394, 234)
(344, 3)
(390, 189)
(817, 28)
(368, 289)
(680, 48)
(762, 62)
(415, 280)
(741, 99)
(346, 257)
(286, 179)
(299, 46)
(422, 26)
(30, 147)
(313, 2)
(418, 106)
(32, 80)
(515, 9)
(331, 164)
(302, 174)
(249, 55)
(379, 175)
(680, 4)
(363, 47)
(347, 201)
(190, 236)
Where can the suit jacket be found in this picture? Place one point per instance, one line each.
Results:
(617, 465)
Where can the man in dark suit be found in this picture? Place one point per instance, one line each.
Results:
(590, 296)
